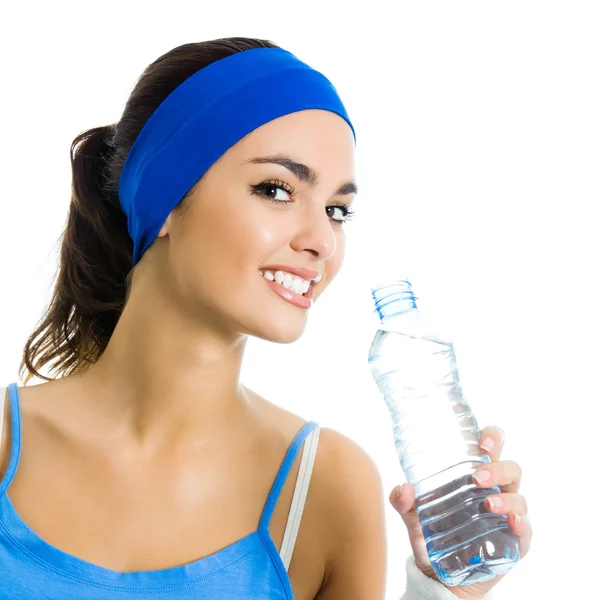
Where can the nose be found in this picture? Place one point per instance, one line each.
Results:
(315, 233)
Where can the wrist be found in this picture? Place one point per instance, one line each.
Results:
(428, 571)
(461, 592)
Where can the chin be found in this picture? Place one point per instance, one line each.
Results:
(282, 330)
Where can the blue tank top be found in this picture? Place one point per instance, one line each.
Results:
(249, 569)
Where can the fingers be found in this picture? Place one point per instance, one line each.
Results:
(404, 503)
(511, 504)
(491, 441)
(503, 504)
(521, 526)
(506, 474)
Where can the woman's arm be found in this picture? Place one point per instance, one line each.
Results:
(421, 587)
(353, 505)
(353, 511)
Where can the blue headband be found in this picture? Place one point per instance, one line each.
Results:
(201, 119)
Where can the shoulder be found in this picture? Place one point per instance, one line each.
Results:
(5, 434)
(347, 505)
(340, 461)
(352, 505)
(350, 478)
(37, 416)
(346, 461)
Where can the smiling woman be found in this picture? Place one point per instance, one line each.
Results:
(209, 213)
(246, 215)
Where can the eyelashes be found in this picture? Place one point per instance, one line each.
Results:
(269, 190)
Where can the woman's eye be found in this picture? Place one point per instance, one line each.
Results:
(275, 192)
(340, 216)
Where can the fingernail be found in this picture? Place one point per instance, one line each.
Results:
(517, 519)
(399, 492)
(487, 444)
(481, 476)
(494, 502)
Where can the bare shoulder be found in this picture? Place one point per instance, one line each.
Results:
(37, 416)
(351, 478)
(352, 501)
(5, 442)
(346, 453)
(346, 493)
(347, 516)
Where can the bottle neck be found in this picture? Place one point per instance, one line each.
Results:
(396, 307)
(394, 300)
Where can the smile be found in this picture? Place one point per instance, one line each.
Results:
(293, 289)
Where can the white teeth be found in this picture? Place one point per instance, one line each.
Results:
(296, 284)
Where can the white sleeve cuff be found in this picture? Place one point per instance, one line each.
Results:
(421, 587)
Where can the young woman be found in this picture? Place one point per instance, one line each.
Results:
(212, 211)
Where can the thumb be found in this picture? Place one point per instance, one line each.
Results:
(402, 498)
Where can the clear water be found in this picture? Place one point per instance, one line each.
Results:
(436, 437)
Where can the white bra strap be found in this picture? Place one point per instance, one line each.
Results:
(300, 491)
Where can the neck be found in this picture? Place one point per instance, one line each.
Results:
(164, 376)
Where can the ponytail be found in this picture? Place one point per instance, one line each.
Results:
(96, 264)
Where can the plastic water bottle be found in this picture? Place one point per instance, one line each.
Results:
(436, 436)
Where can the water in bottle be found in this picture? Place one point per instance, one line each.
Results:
(436, 436)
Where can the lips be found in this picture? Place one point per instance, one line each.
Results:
(309, 293)
(309, 275)
(299, 300)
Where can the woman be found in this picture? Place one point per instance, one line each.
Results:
(212, 211)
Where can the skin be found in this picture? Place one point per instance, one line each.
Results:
(160, 436)
(506, 475)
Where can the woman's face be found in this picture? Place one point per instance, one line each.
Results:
(276, 199)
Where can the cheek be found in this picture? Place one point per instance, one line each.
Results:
(232, 235)
(216, 224)
(264, 231)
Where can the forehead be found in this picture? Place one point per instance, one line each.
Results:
(319, 138)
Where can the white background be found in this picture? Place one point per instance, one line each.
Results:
(478, 148)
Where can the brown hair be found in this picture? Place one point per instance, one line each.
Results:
(95, 265)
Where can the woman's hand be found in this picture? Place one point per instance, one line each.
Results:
(506, 475)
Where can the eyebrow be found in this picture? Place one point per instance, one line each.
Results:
(303, 172)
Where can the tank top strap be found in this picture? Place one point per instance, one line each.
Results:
(15, 434)
(284, 470)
